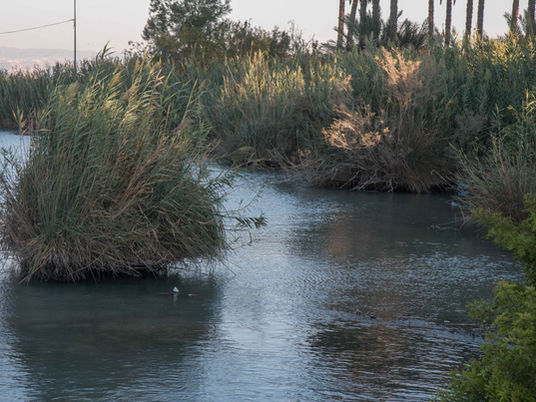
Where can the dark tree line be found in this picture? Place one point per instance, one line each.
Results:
(392, 28)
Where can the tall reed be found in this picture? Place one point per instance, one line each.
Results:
(502, 175)
(111, 185)
(268, 110)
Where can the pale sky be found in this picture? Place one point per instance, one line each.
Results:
(119, 21)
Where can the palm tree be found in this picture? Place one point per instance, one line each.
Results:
(352, 24)
(340, 29)
(515, 16)
(362, 20)
(480, 19)
(431, 17)
(468, 19)
(363, 9)
(532, 12)
(393, 20)
(376, 19)
(448, 20)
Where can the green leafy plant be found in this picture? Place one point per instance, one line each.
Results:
(507, 370)
(517, 237)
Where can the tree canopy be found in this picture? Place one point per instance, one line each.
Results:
(178, 26)
(200, 30)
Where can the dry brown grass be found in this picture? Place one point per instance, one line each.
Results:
(393, 148)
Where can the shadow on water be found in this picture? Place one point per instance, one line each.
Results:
(386, 360)
(111, 339)
(397, 255)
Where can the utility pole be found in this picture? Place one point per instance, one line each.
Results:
(74, 24)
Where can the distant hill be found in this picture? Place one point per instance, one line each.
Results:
(14, 58)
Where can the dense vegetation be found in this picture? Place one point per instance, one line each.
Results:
(115, 180)
(499, 176)
(400, 110)
(507, 371)
(389, 119)
(112, 183)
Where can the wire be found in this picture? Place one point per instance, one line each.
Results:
(39, 27)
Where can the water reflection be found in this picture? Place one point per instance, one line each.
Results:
(342, 295)
(382, 362)
(397, 255)
(102, 340)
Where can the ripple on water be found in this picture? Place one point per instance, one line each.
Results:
(341, 295)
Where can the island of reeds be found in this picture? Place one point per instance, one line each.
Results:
(115, 179)
(112, 183)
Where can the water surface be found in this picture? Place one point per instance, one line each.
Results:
(342, 295)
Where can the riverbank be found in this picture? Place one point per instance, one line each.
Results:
(373, 119)
(390, 120)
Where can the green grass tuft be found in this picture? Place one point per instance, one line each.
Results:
(111, 184)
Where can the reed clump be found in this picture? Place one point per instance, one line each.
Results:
(391, 145)
(499, 177)
(271, 108)
(110, 186)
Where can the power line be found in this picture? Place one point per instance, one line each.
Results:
(39, 27)
(73, 20)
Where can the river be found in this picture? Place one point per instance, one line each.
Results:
(343, 295)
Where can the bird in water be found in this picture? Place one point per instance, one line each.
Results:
(175, 290)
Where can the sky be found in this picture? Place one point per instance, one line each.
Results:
(121, 21)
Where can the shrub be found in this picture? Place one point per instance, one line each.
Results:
(392, 145)
(507, 371)
(500, 176)
(518, 237)
(110, 186)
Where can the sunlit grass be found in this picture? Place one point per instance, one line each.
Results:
(110, 186)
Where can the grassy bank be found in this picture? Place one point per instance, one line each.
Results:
(373, 118)
(114, 182)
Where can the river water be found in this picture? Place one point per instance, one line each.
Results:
(341, 296)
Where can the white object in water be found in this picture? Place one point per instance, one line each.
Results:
(175, 290)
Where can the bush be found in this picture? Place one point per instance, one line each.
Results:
(391, 143)
(517, 237)
(507, 371)
(110, 186)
